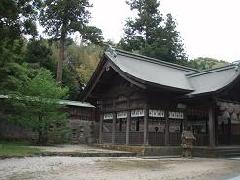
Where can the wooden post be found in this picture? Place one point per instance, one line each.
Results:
(145, 136)
(166, 128)
(229, 131)
(128, 126)
(211, 126)
(101, 128)
(114, 127)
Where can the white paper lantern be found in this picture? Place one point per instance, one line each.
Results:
(226, 115)
(230, 107)
(234, 117)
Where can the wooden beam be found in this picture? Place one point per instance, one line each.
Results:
(166, 140)
(95, 78)
(100, 128)
(128, 126)
(211, 126)
(114, 128)
(145, 136)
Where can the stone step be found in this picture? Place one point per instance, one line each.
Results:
(90, 154)
(217, 152)
(232, 154)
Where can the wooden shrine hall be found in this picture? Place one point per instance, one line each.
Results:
(145, 101)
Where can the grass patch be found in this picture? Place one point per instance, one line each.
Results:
(17, 149)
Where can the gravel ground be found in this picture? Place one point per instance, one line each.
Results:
(75, 148)
(71, 168)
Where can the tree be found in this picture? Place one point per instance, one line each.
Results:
(149, 34)
(37, 106)
(63, 17)
(139, 32)
(17, 18)
(39, 54)
(174, 44)
(84, 59)
(205, 63)
(12, 73)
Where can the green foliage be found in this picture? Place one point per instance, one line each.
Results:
(44, 85)
(63, 17)
(13, 149)
(12, 73)
(149, 34)
(17, 17)
(14, 77)
(84, 59)
(22, 62)
(206, 63)
(36, 106)
(39, 54)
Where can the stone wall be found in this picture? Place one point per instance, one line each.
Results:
(83, 131)
(11, 131)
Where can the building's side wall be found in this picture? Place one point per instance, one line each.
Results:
(228, 116)
(83, 125)
(120, 96)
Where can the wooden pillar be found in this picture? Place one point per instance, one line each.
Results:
(166, 128)
(145, 136)
(128, 126)
(185, 120)
(114, 127)
(211, 126)
(229, 131)
(101, 129)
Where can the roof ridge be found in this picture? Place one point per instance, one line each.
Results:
(156, 61)
(212, 70)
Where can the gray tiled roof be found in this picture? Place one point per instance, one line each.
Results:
(63, 102)
(171, 75)
(151, 70)
(213, 80)
(76, 103)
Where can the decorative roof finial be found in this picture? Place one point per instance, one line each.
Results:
(237, 63)
(112, 51)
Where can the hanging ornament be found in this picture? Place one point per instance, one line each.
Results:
(234, 117)
(226, 115)
(237, 108)
(223, 106)
(230, 107)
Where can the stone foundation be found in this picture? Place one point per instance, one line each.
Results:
(83, 132)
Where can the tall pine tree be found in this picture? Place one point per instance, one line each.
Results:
(174, 44)
(149, 34)
(63, 17)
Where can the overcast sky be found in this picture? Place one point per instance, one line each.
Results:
(210, 28)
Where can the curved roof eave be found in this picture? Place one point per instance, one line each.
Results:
(219, 90)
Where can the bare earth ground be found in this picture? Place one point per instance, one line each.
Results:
(75, 148)
(89, 168)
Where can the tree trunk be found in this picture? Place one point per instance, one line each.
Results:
(61, 59)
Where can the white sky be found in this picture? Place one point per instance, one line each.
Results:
(210, 28)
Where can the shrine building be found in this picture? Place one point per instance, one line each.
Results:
(145, 101)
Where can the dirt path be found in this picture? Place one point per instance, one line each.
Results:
(71, 168)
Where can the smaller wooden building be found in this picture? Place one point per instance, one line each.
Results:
(83, 126)
(84, 129)
(145, 101)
